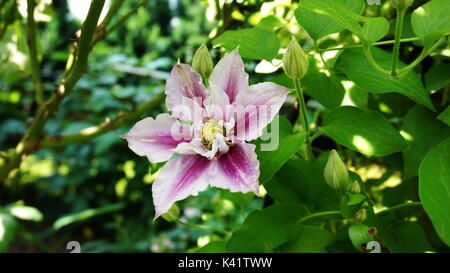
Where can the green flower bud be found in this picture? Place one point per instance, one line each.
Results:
(401, 4)
(172, 214)
(295, 62)
(202, 62)
(355, 187)
(335, 173)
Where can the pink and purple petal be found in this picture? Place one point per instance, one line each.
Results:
(237, 170)
(183, 81)
(155, 138)
(179, 178)
(217, 104)
(256, 108)
(229, 75)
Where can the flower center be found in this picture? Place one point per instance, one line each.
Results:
(209, 131)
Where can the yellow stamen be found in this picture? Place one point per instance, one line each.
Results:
(209, 131)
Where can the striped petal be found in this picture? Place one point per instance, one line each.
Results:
(179, 178)
(237, 170)
(156, 138)
(229, 75)
(184, 82)
(256, 108)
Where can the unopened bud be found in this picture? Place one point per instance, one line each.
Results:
(401, 4)
(295, 62)
(172, 214)
(355, 187)
(335, 173)
(202, 62)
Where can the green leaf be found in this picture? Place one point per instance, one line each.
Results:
(405, 237)
(431, 20)
(326, 89)
(288, 143)
(375, 29)
(254, 43)
(434, 188)
(445, 116)
(367, 132)
(354, 63)
(359, 235)
(437, 77)
(8, 227)
(85, 215)
(266, 229)
(302, 182)
(318, 25)
(422, 131)
(26, 213)
(310, 239)
(338, 12)
(355, 199)
(270, 22)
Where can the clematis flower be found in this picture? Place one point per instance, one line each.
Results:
(205, 137)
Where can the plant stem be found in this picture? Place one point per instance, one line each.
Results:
(95, 131)
(303, 117)
(32, 47)
(388, 42)
(425, 52)
(30, 140)
(408, 204)
(319, 214)
(224, 232)
(372, 61)
(398, 35)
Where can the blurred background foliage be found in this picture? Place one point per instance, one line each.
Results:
(99, 193)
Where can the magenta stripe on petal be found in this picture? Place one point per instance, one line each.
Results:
(194, 165)
(236, 165)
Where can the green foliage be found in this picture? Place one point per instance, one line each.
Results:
(288, 144)
(431, 20)
(367, 132)
(356, 66)
(267, 229)
(422, 131)
(318, 25)
(391, 130)
(434, 185)
(253, 43)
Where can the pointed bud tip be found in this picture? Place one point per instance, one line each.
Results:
(295, 62)
(335, 173)
(202, 62)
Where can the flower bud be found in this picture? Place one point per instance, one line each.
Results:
(355, 187)
(202, 62)
(401, 4)
(335, 173)
(172, 214)
(295, 62)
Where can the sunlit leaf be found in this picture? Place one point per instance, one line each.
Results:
(431, 20)
(355, 64)
(367, 132)
(253, 43)
(318, 25)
